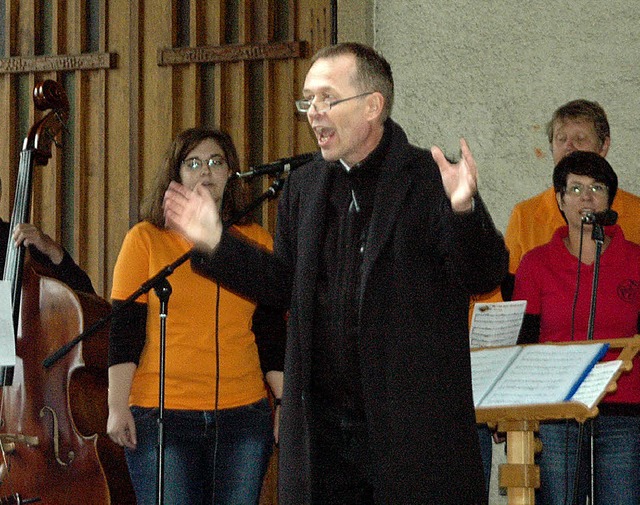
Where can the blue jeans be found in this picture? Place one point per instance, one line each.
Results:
(616, 456)
(206, 461)
(485, 437)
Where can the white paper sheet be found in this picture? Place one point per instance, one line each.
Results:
(7, 335)
(496, 324)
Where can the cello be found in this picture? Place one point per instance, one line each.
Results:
(53, 421)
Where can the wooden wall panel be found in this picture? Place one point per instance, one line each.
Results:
(8, 112)
(96, 169)
(26, 46)
(84, 138)
(157, 92)
(122, 113)
(186, 78)
(213, 17)
(8, 141)
(124, 117)
(47, 202)
(89, 238)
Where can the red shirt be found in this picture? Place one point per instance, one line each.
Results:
(547, 277)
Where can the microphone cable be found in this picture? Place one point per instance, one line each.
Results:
(216, 422)
(216, 402)
(216, 405)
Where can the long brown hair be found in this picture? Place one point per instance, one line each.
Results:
(235, 195)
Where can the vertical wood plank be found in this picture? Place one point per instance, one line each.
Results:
(263, 33)
(122, 124)
(214, 18)
(157, 91)
(91, 236)
(47, 202)
(136, 30)
(9, 140)
(186, 78)
(26, 46)
(235, 89)
(81, 156)
(281, 92)
(313, 24)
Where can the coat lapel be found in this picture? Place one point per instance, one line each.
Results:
(392, 188)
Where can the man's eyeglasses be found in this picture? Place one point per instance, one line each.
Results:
(305, 104)
(195, 164)
(594, 189)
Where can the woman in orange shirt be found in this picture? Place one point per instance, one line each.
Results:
(220, 347)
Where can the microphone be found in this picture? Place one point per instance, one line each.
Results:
(277, 167)
(604, 218)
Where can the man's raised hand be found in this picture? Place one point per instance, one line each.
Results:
(460, 179)
(194, 214)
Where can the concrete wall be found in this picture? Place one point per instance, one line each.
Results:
(494, 71)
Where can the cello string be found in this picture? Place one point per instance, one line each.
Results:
(10, 275)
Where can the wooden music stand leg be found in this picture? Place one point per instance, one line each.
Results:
(520, 475)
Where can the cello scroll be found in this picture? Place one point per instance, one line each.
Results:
(47, 95)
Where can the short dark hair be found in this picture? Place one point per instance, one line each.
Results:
(373, 72)
(235, 193)
(589, 164)
(582, 109)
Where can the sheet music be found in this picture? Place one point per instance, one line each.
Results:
(496, 324)
(596, 382)
(487, 367)
(542, 374)
(7, 334)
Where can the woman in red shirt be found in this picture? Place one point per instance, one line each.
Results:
(556, 281)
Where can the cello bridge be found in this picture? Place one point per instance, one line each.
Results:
(8, 441)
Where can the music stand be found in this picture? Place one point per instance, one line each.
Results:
(520, 475)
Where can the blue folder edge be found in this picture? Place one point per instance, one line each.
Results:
(603, 350)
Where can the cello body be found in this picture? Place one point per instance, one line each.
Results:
(51, 459)
(53, 420)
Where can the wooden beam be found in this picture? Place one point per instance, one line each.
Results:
(231, 52)
(62, 63)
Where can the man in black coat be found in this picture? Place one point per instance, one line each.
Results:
(379, 245)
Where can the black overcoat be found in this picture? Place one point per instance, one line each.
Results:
(421, 263)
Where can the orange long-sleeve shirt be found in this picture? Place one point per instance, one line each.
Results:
(191, 326)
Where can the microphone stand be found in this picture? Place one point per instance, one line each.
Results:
(597, 234)
(144, 288)
(162, 288)
(163, 291)
(270, 193)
